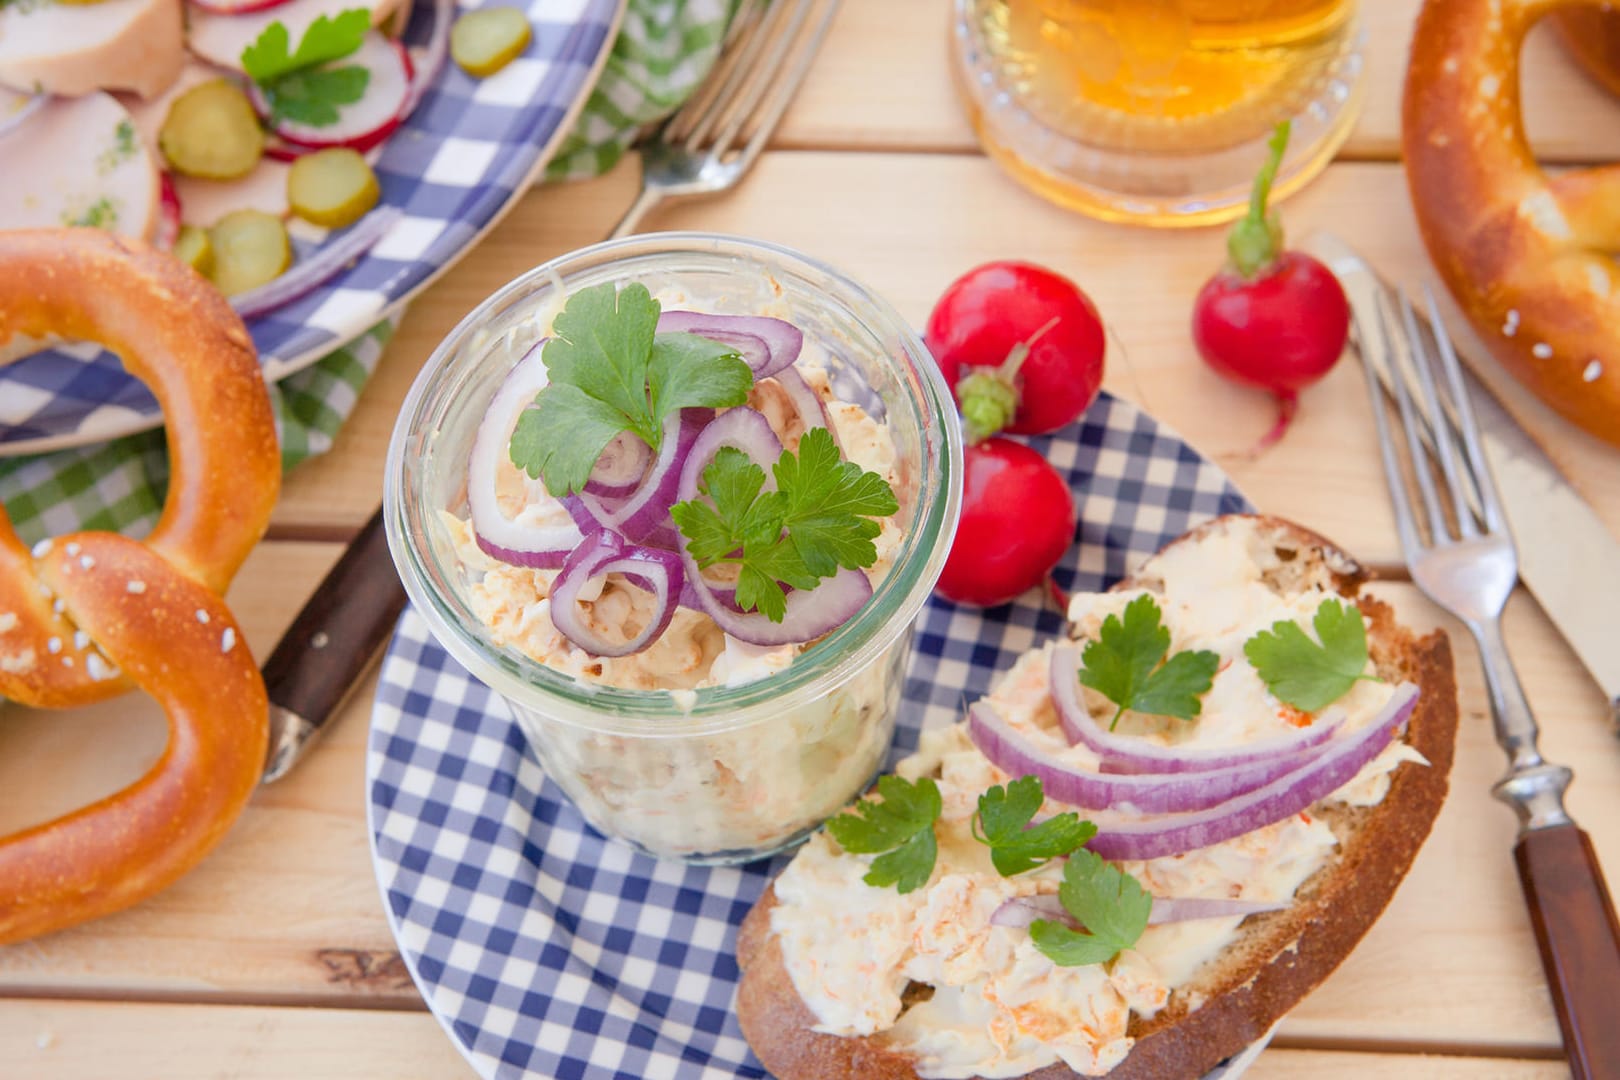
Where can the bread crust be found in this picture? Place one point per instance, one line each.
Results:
(1290, 952)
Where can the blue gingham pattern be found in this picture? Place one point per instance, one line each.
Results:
(546, 950)
(468, 149)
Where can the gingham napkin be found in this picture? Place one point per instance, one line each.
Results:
(664, 49)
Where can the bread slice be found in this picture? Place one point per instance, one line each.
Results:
(1279, 957)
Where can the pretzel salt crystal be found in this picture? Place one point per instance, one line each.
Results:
(1527, 256)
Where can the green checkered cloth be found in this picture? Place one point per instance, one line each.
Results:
(664, 49)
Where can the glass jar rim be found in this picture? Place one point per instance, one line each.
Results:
(840, 656)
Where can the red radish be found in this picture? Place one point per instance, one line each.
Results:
(1017, 521)
(236, 7)
(1272, 318)
(1021, 347)
(220, 39)
(167, 229)
(368, 121)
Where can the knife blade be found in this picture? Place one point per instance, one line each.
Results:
(1567, 557)
(326, 651)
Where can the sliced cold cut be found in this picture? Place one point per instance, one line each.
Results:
(135, 45)
(79, 161)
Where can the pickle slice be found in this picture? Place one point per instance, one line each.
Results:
(250, 249)
(212, 132)
(193, 248)
(333, 187)
(484, 41)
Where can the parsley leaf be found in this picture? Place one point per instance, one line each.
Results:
(817, 520)
(328, 38)
(1004, 815)
(1123, 665)
(1111, 905)
(609, 370)
(312, 97)
(1304, 674)
(901, 826)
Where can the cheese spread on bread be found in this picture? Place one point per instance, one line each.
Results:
(929, 972)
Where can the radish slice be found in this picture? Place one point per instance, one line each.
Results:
(1020, 911)
(236, 7)
(1015, 755)
(1129, 754)
(542, 546)
(605, 552)
(368, 121)
(768, 345)
(168, 224)
(333, 258)
(220, 39)
(1123, 837)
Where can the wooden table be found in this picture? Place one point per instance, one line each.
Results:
(273, 958)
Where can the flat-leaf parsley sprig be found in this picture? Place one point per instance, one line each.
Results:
(608, 371)
(293, 81)
(1124, 665)
(819, 518)
(898, 827)
(1003, 825)
(1307, 675)
(1110, 904)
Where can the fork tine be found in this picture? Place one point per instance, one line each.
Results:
(741, 76)
(747, 12)
(788, 84)
(1441, 439)
(764, 76)
(749, 28)
(1479, 468)
(1403, 358)
(1399, 496)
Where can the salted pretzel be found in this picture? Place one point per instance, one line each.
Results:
(1527, 255)
(85, 616)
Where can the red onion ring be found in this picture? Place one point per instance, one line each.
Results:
(605, 552)
(1020, 911)
(1158, 793)
(1125, 837)
(742, 429)
(1130, 754)
(621, 468)
(647, 507)
(810, 613)
(536, 546)
(333, 258)
(432, 59)
(767, 345)
(806, 402)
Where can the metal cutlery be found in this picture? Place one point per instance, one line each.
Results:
(705, 147)
(1457, 545)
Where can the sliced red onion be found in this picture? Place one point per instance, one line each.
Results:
(810, 613)
(605, 552)
(767, 345)
(1013, 753)
(742, 429)
(806, 402)
(1130, 754)
(333, 258)
(647, 507)
(431, 60)
(1020, 911)
(690, 598)
(15, 114)
(540, 546)
(620, 469)
(1125, 837)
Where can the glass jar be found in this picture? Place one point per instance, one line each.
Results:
(719, 774)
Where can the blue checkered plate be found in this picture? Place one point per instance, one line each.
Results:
(456, 164)
(546, 950)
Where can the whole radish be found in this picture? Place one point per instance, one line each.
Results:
(1272, 318)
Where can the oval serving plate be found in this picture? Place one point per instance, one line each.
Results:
(456, 165)
(544, 949)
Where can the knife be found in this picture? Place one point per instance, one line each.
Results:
(1567, 557)
(329, 646)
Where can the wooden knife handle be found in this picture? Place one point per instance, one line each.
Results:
(1580, 944)
(337, 634)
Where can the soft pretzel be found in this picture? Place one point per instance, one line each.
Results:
(1593, 39)
(85, 616)
(1526, 255)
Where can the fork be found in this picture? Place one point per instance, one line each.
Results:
(704, 147)
(711, 141)
(1461, 554)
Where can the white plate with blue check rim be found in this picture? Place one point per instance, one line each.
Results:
(454, 167)
(546, 950)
